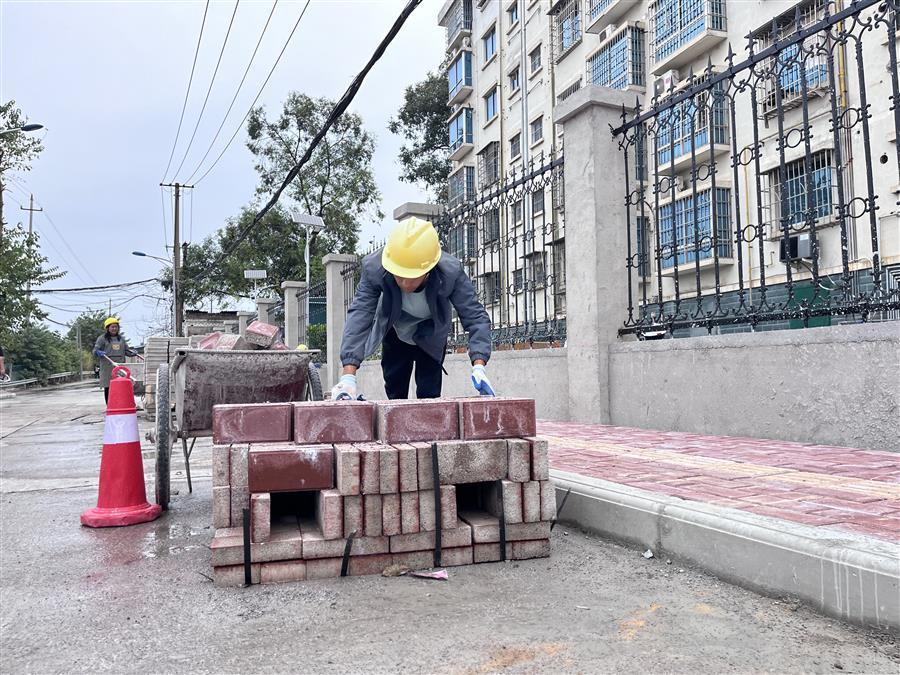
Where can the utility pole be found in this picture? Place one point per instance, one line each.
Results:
(177, 295)
(80, 354)
(31, 211)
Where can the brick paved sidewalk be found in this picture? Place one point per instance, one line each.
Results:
(816, 485)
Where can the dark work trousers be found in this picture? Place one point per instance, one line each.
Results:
(106, 394)
(397, 360)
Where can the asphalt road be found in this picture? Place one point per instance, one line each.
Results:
(140, 599)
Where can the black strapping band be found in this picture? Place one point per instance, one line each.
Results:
(345, 561)
(248, 579)
(561, 507)
(502, 523)
(437, 504)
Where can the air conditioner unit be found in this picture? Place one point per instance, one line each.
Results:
(467, 43)
(682, 183)
(795, 248)
(610, 29)
(667, 82)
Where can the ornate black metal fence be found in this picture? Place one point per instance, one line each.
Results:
(312, 301)
(509, 233)
(773, 181)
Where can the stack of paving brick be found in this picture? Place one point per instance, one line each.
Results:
(314, 475)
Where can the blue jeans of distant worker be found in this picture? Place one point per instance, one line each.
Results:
(397, 360)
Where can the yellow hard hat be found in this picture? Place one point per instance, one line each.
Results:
(412, 249)
(109, 322)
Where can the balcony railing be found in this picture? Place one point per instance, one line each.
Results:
(677, 24)
(458, 22)
(619, 63)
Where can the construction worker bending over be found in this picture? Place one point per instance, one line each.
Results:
(113, 346)
(402, 303)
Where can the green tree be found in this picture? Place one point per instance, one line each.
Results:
(17, 150)
(35, 351)
(21, 263)
(91, 325)
(336, 184)
(422, 122)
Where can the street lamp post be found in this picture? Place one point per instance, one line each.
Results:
(311, 224)
(175, 289)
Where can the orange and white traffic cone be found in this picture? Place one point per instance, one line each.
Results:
(123, 496)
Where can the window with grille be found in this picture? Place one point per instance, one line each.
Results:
(690, 125)
(514, 81)
(537, 130)
(517, 212)
(536, 271)
(461, 129)
(559, 268)
(537, 202)
(686, 226)
(567, 27)
(513, 13)
(462, 241)
(675, 23)
(620, 62)
(597, 7)
(492, 286)
(534, 59)
(490, 104)
(515, 146)
(459, 74)
(490, 44)
(568, 91)
(519, 280)
(459, 18)
(491, 224)
(489, 165)
(642, 247)
(461, 186)
(803, 195)
(788, 68)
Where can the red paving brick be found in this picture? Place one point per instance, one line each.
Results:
(846, 489)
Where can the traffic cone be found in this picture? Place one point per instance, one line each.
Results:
(123, 497)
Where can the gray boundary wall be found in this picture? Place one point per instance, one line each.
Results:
(838, 385)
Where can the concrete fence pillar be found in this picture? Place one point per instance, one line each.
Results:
(292, 313)
(335, 310)
(243, 320)
(264, 309)
(596, 244)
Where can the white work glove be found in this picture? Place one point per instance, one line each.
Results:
(345, 389)
(481, 382)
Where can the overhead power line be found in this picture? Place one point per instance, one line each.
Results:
(336, 112)
(66, 244)
(92, 288)
(187, 93)
(240, 86)
(209, 90)
(258, 94)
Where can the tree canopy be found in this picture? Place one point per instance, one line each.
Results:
(422, 122)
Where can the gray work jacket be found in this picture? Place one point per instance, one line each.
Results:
(378, 303)
(117, 349)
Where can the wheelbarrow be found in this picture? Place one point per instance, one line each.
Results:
(205, 378)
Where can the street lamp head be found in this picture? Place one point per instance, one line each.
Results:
(309, 221)
(139, 253)
(32, 127)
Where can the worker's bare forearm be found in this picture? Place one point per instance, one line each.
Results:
(479, 362)
(350, 370)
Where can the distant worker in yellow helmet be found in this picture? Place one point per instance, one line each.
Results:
(402, 304)
(111, 345)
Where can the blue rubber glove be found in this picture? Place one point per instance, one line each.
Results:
(99, 353)
(481, 382)
(345, 389)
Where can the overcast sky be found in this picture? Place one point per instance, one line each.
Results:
(108, 79)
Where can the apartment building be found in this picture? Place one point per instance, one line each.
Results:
(511, 62)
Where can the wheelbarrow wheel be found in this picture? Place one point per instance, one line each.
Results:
(163, 440)
(314, 385)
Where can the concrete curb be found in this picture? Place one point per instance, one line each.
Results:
(851, 577)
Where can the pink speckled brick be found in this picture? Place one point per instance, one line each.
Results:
(251, 423)
(511, 506)
(346, 469)
(233, 575)
(361, 565)
(240, 500)
(221, 466)
(334, 422)
(323, 568)
(519, 460)
(533, 548)
(423, 462)
(330, 513)
(282, 572)
(491, 417)
(221, 507)
(471, 461)
(353, 515)
(409, 512)
(540, 458)
(315, 545)
(261, 334)
(417, 420)
(548, 500)
(227, 546)
(389, 470)
(409, 468)
(454, 557)
(260, 517)
(372, 515)
(449, 518)
(531, 501)
(369, 468)
(390, 514)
